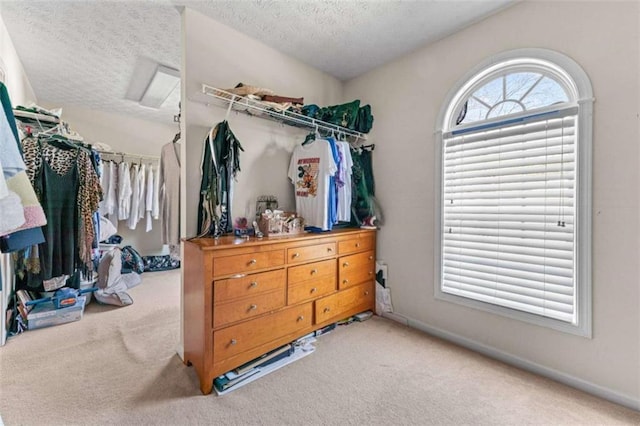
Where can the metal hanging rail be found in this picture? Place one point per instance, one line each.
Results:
(260, 109)
(124, 155)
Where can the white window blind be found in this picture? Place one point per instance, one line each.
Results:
(508, 234)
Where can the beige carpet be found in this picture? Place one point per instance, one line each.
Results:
(118, 366)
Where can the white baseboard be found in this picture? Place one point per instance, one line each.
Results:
(180, 352)
(575, 382)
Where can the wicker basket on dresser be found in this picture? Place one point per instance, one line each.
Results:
(243, 298)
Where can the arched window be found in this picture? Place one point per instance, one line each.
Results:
(514, 205)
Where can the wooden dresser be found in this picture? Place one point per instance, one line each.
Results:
(243, 298)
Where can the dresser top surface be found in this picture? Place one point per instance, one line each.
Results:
(228, 241)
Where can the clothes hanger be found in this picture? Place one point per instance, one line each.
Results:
(312, 136)
(176, 119)
(55, 130)
(60, 142)
(309, 138)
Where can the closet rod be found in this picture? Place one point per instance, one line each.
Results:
(126, 154)
(248, 106)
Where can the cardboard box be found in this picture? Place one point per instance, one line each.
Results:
(46, 315)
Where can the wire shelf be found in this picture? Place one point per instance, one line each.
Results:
(260, 109)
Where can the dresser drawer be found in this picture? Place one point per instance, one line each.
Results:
(247, 308)
(310, 271)
(354, 245)
(236, 339)
(304, 254)
(339, 304)
(312, 289)
(243, 263)
(356, 269)
(248, 285)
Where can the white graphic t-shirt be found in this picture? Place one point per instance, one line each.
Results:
(310, 169)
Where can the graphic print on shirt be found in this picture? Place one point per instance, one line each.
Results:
(307, 183)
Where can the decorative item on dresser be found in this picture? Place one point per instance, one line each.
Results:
(243, 298)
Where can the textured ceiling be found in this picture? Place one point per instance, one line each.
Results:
(86, 53)
(346, 38)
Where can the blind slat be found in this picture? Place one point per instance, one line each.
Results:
(519, 284)
(528, 177)
(536, 193)
(536, 169)
(511, 164)
(521, 294)
(513, 243)
(530, 263)
(507, 274)
(546, 310)
(535, 230)
(540, 153)
(515, 249)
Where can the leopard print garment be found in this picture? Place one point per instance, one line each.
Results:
(33, 161)
(89, 189)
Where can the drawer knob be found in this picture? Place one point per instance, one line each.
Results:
(233, 342)
(253, 284)
(253, 307)
(313, 290)
(253, 262)
(366, 293)
(300, 318)
(295, 255)
(370, 257)
(327, 309)
(329, 249)
(370, 272)
(314, 271)
(357, 245)
(345, 281)
(345, 264)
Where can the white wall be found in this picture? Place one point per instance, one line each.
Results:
(222, 57)
(20, 90)
(124, 134)
(406, 96)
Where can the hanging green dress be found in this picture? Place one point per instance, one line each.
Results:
(59, 252)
